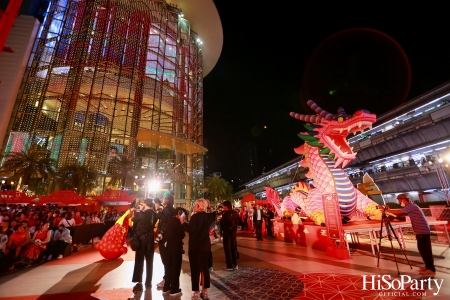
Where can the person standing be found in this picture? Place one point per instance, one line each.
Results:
(228, 225)
(144, 222)
(250, 219)
(175, 235)
(200, 247)
(257, 221)
(269, 215)
(422, 230)
(244, 218)
(167, 213)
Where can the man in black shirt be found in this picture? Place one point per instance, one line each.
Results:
(228, 225)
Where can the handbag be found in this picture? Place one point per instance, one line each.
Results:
(135, 243)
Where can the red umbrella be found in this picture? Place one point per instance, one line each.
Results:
(14, 197)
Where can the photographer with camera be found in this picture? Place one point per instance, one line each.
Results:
(167, 213)
(144, 221)
(175, 232)
(421, 228)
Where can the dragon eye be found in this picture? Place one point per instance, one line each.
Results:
(340, 119)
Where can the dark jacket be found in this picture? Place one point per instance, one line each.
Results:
(167, 213)
(255, 215)
(199, 226)
(229, 221)
(174, 235)
(144, 222)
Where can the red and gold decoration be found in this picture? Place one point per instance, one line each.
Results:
(113, 244)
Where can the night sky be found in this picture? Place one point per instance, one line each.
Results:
(276, 56)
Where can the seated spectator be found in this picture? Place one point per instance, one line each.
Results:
(78, 219)
(107, 217)
(14, 222)
(48, 218)
(55, 221)
(89, 218)
(6, 227)
(25, 226)
(3, 242)
(85, 217)
(18, 239)
(95, 219)
(60, 239)
(38, 244)
(23, 216)
(33, 220)
(115, 215)
(101, 217)
(67, 220)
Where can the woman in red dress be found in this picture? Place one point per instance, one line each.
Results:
(38, 244)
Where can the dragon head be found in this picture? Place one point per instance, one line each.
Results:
(329, 131)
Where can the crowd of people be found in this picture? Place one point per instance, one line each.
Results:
(30, 235)
(166, 227)
(35, 234)
(254, 218)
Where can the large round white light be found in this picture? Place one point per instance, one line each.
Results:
(154, 185)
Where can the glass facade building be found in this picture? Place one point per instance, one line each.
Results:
(111, 78)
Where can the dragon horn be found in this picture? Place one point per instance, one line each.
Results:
(306, 118)
(320, 111)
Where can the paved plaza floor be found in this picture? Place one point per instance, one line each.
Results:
(268, 269)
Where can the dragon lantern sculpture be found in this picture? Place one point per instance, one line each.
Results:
(326, 151)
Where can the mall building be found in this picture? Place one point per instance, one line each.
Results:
(406, 151)
(91, 80)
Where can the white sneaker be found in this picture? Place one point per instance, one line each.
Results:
(49, 257)
(60, 256)
(236, 267)
(161, 284)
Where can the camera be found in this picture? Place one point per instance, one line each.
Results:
(158, 238)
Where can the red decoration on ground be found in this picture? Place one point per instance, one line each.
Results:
(113, 244)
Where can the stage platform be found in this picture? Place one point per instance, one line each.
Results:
(310, 235)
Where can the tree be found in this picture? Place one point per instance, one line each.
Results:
(77, 177)
(120, 169)
(217, 187)
(25, 165)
